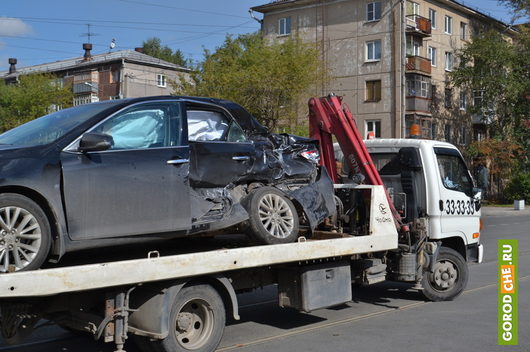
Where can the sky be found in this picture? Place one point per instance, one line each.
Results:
(36, 31)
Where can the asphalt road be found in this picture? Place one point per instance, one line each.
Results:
(383, 317)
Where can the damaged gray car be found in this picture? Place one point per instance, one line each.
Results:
(132, 170)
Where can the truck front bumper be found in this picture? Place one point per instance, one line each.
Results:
(475, 253)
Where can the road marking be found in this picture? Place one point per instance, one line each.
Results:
(344, 321)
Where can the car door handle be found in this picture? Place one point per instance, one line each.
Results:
(177, 161)
(241, 158)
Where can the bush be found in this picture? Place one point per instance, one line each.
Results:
(519, 187)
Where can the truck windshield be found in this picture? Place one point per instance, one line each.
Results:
(49, 128)
(453, 171)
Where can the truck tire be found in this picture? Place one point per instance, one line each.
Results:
(197, 321)
(448, 278)
(25, 234)
(272, 216)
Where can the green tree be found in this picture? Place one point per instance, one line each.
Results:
(153, 47)
(33, 96)
(520, 8)
(269, 78)
(497, 70)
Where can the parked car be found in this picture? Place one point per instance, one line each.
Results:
(119, 171)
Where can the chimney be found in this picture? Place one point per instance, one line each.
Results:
(140, 49)
(12, 67)
(87, 47)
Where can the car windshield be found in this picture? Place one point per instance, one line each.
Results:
(49, 128)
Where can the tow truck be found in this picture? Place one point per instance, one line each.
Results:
(406, 211)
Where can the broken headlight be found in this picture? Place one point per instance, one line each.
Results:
(311, 155)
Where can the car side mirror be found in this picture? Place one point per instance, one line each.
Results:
(477, 193)
(95, 142)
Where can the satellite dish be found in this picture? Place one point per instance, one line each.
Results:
(112, 44)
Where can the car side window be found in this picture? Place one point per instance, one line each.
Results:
(236, 134)
(206, 126)
(150, 125)
(454, 173)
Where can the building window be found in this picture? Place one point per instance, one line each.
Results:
(373, 11)
(413, 9)
(373, 90)
(448, 98)
(434, 131)
(432, 55)
(463, 136)
(373, 129)
(478, 97)
(449, 61)
(448, 24)
(434, 95)
(373, 50)
(463, 31)
(463, 100)
(432, 17)
(447, 133)
(115, 76)
(284, 26)
(161, 81)
(418, 86)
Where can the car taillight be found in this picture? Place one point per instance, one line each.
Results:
(311, 155)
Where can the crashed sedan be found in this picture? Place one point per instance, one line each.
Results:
(120, 171)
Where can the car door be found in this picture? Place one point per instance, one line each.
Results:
(220, 153)
(458, 213)
(139, 185)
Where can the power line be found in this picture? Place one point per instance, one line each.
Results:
(181, 8)
(84, 20)
(143, 28)
(207, 34)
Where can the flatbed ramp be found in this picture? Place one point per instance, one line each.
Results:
(48, 282)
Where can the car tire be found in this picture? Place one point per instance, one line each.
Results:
(448, 278)
(25, 234)
(197, 321)
(273, 217)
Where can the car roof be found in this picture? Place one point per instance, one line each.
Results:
(248, 122)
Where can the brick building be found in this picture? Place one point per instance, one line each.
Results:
(115, 75)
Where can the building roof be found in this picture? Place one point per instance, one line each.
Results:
(98, 59)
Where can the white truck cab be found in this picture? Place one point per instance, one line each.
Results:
(434, 185)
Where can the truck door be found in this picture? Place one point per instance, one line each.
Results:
(137, 186)
(458, 213)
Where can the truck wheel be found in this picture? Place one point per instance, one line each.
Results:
(448, 278)
(197, 321)
(25, 235)
(273, 217)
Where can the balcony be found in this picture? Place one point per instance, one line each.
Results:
(85, 87)
(418, 104)
(418, 64)
(418, 25)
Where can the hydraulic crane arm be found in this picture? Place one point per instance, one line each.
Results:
(328, 116)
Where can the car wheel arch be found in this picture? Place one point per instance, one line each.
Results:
(57, 248)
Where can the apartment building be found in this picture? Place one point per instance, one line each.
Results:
(390, 59)
(114, 75)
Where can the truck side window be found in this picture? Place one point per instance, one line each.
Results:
(206, 126)
(453, 172)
